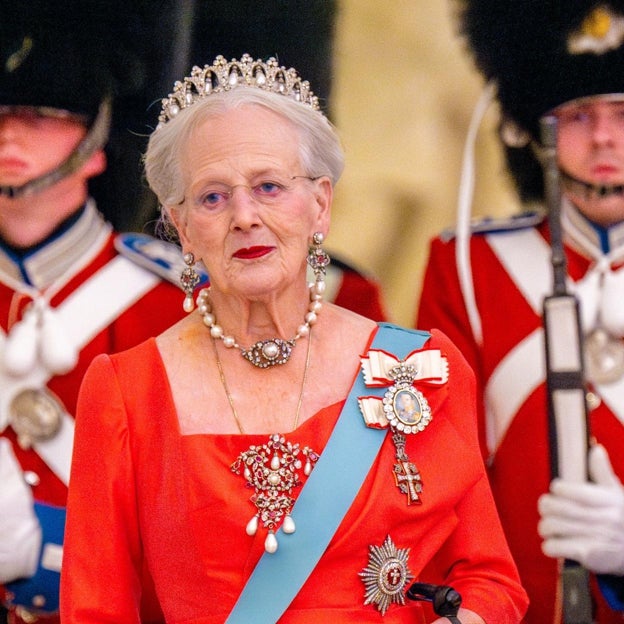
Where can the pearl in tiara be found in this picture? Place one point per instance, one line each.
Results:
(224, 76)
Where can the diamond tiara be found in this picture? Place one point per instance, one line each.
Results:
(224, 76)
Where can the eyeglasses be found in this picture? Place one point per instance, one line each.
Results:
(268, 190)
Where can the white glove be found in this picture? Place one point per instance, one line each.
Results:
(584, 522)
(20, 533)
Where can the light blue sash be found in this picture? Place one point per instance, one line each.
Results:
(329, 491)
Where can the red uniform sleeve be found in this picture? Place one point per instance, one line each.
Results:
(361, 294)
(441, 306)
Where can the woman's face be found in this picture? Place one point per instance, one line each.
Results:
(249, 213)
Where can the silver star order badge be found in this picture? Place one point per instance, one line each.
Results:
(386, 575)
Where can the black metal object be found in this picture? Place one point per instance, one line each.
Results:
(565, 379)
(445, 600)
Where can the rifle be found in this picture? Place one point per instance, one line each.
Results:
(567, 406)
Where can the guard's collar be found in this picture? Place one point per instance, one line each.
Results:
(65, 247)
(589, 236)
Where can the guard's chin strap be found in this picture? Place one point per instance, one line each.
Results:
(94, 139)
(580, 188)
(587, 190)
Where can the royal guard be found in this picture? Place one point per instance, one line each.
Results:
(70, 287)
(485, 286)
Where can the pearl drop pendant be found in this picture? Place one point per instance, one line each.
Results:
(270, 543)
(252, 526)
(188, 305)
(288, 526)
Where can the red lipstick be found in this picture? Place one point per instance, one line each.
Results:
(250, 253)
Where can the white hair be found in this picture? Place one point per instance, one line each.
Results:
(320, 149)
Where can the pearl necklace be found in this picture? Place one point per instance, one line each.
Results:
(271, 351)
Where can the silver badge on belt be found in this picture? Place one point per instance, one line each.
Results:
(35, 415)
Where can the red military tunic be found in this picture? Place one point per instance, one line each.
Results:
(351, 289)
(65, 264)
(511, 274)
(171, 500)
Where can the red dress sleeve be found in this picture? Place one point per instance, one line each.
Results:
(101, 502)
(475, 558)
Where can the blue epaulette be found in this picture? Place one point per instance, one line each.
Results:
(155, 255)
(491, 225)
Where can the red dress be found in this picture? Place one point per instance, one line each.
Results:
(514, 427)
(143, 493)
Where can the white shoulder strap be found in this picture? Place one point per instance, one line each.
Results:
(85, 313)
(101, 299)
(526, 258)
(517, 375)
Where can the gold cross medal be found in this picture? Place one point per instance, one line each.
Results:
(403, 407)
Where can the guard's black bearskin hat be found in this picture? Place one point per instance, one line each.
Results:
(541, 54)
(83, 57)
(52, 55)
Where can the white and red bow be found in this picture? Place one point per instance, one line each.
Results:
(382, 369)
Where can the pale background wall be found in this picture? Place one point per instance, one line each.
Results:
(403, 94)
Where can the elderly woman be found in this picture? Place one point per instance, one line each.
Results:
(252, 457)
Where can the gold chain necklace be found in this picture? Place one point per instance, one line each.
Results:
(229, 396)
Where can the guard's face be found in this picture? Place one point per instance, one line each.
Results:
(249, 213)
(32, 143)
(591, 148)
